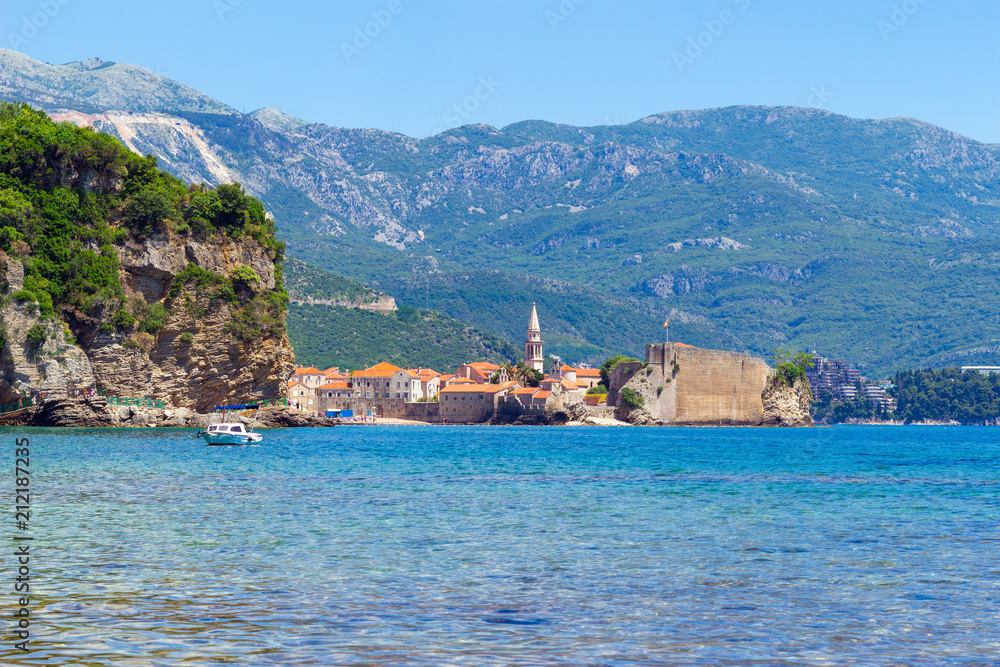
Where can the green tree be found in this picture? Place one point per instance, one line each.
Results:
(791, 367)
(527, 377)
(611, 364)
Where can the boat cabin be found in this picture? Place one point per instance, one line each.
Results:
(226, 428)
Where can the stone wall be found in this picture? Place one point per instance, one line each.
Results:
(391, 408)
(718, 387)
(686, 385)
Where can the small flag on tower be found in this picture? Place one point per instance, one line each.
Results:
(666, 324)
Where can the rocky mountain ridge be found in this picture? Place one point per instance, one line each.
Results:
(753, 227)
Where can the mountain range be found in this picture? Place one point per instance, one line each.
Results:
(749, 228)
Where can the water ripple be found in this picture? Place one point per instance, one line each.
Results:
(522, 546)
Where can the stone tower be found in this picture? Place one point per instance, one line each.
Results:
(533, 346)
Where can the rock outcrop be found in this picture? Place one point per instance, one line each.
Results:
(288, 418)
(89, 412)
(53, 366)
(787, 406)
(194, 361)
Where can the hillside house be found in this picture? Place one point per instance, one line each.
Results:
(301, 395)
(480, 372)
(430, 383)
(374, 382)
(310, 377)
(472, 403)
(406, 385)
(336, 390)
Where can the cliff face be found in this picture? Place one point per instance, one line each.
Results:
(194, 361)
(116, 276)
(787, 406)
(54, 366)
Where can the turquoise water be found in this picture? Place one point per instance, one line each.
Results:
(511, 546)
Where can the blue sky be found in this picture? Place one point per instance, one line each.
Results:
(426, 66)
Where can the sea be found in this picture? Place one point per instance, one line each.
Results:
(395, 545)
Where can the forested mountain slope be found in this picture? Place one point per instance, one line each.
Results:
(876, 241)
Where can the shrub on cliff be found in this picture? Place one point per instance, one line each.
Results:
(156, 318)
(245, 274)
(37, 335)
(631, 399)
(123, 319)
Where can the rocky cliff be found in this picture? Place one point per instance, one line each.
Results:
(787, 406)
(194, 361)
(117, 277)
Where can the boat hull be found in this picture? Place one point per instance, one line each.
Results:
(232, 438)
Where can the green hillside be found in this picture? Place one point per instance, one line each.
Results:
(305, 282)
(325, 336)
(874, 241)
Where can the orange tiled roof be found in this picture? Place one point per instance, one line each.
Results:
(588, 372)
(569, 385)
(543, 394)
(307, 371)
(292, 383)
(484, 366)
(525, 391)
(462, 380)
(567, 368)
(469, 388)
(682, 345)
(336, 385)
(382, 370)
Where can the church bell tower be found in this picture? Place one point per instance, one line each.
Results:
(533, 346)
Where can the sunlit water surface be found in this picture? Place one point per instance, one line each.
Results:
(509, 546)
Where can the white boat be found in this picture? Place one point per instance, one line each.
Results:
(230, 433)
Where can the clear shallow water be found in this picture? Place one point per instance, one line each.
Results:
(386, 545)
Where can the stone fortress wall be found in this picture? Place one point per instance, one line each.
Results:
(685, 385)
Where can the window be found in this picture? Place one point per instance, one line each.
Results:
(368, 394)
